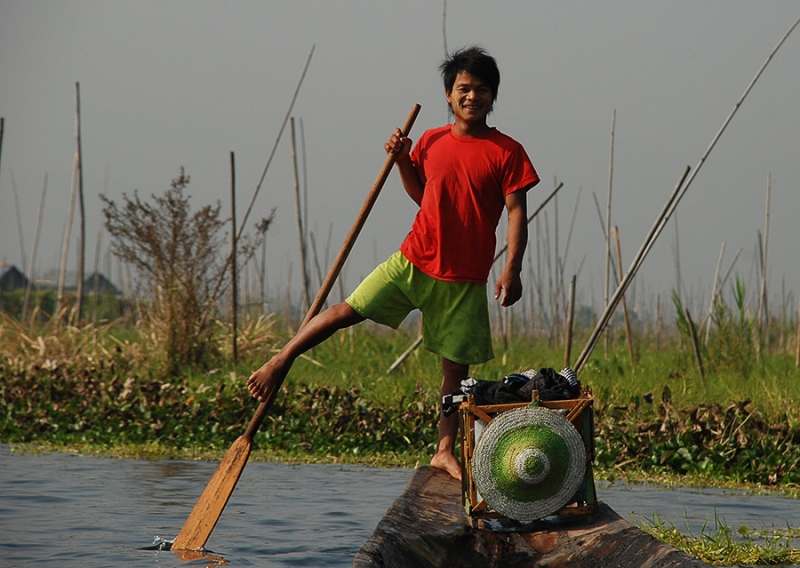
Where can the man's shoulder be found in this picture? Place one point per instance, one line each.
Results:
(438, 129)
(503, 138)
(436, 132)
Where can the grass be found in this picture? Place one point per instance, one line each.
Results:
(722, 546)
(98, 389)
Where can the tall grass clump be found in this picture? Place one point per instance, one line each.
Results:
(177, 252)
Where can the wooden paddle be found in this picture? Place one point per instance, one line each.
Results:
(207, 511)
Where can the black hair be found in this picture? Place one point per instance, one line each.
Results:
(475, 61)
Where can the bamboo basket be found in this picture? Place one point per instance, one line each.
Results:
(579, 412)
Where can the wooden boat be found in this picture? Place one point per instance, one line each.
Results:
(427, 527)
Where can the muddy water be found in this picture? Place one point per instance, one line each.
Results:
(59, 509)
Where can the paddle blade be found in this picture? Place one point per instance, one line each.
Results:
(207, 511)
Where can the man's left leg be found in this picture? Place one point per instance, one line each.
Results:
(445, 458)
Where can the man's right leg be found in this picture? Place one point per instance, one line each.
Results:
(265, 381)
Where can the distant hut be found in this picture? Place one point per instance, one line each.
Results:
(11, 278)
(49, 281)
(99, 284)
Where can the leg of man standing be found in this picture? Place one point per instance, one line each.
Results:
(445, 458)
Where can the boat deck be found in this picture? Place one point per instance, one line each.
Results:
(427, 527)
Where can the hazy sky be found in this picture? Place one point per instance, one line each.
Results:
(184, 83)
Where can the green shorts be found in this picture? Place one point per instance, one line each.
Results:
(455, 315)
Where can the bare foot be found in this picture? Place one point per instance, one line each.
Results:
(447, 462)
(268, 378)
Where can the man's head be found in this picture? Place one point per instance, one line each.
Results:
(475, 61)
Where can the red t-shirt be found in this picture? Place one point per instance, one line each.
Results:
(466, 181)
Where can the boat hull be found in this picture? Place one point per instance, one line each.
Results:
(427, 527)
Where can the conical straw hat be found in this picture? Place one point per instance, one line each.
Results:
(528, 463)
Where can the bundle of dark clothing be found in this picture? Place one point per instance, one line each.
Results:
(517, 387)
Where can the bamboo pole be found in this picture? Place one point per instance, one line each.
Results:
(797, 338)
(20, 232)
(628, 335)
(548, 249)
(782, 338)
(305, 181)
(317, 265)
(757, 328)
(246, 289)
(601, 220)
(538, 282)
(606, 338)
(32, 273)
(676, 253)
(570, 320)
(234, 282)
(712, 304)
(659, 318)
(65, 248)
(696, 344)
(81, 208)
(557, 272)
(263, 274)
(299, 216)
(569, 233)
(96, 277)
(763, 309)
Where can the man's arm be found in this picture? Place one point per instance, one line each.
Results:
(400, 146)
(510, 283)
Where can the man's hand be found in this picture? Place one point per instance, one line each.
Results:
(509, 285)
(398, 145)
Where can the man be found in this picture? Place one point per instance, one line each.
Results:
(462, 176)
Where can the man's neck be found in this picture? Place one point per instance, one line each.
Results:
(462, 128)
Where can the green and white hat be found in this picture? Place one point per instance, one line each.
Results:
(528, 463)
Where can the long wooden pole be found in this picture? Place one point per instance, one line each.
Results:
(209, 507)
(607, 339)
(32, 273)
(696, 345)
(713, 302)
(763, 308)
(65, 250)
(299, 214)
(234, 266)
(628, 334)
(81, 208)
(570, 320)
(797, 338)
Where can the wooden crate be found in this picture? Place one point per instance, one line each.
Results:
(580, 412)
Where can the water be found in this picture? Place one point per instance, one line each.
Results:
(70, 510)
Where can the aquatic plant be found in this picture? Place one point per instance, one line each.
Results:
(723, 546)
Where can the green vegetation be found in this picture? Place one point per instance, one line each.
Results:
(102, 388)
(721, 547)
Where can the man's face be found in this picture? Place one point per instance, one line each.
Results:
(470, 98)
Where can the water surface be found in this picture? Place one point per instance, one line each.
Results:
(62, 509)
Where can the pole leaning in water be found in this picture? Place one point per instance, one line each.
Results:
(209, 507)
